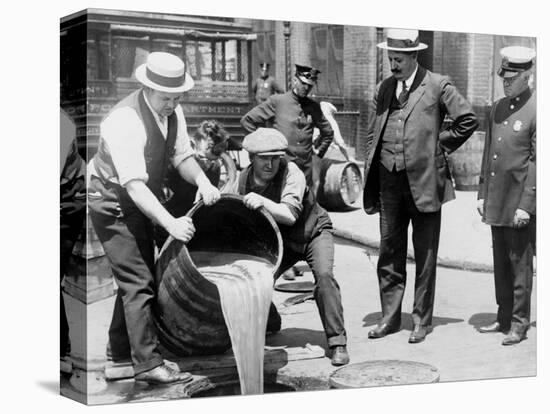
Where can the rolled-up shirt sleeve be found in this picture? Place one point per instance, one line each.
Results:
(183, 149)
(125, 138)
(293, 189)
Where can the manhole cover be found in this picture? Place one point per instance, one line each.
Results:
(295, 287)
(383, 372)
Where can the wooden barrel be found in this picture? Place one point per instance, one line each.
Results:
(340, 185)
(188, 315)
(466, 163)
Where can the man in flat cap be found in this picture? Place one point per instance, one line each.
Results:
(295, 115)
(507, 198)
(265, 85)
(139, 138)
(407, 178)
(278, 185)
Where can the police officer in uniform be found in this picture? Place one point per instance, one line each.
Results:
(278, 185)
(265, 84)
(295, 115)
(139, 138)
(507, 198)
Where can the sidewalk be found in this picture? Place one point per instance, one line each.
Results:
(465, 242)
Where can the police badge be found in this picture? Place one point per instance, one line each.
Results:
(517, 125)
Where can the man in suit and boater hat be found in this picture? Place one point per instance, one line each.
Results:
(407, 178)
(507, 193)
(138, 139)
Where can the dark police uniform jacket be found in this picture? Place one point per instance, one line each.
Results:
(431, 98)
(295, 118)
(264, 88)
(508, 173)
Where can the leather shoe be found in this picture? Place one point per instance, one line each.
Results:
(493, 327)
(515, 336)
(340, 355)
(381, 331)
(292, 273)
(273, 320)
(418, 334)
(163, 374)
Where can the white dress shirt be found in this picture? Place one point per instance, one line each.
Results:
(408, 83)
(125, 136)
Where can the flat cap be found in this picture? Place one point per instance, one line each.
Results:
(515, 59)
(265, 141)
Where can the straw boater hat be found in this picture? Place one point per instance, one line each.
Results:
(402, 40)
(515, 59)
(164, 72)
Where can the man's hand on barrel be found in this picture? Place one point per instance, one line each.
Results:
(181, 228)
(209, 194)
(253, 201)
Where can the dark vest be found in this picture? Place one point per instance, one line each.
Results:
(157, 153)
(313, 218)
(392, 151)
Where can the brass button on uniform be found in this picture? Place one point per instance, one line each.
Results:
(495, 156)
(512, 106)
(492, 173)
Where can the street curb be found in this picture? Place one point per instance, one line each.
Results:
(441, 261)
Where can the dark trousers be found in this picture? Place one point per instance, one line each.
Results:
(319, 255)
(128, 243)
(397, 210)
(71, 223)
(513, 267)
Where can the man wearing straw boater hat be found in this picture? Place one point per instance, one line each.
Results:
(265, 84)
(278, 185)
(507, 193)
(407, 178)
(139, 138)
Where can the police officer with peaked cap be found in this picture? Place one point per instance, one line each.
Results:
(265, 84)
(507, 193)
(295, 115)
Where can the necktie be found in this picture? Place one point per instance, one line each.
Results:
(404, 95)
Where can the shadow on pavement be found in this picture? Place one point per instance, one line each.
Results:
(296, 337)
(481, 319)
(406, 320)
(51, 386)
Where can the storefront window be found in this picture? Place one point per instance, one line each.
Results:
(327, 56)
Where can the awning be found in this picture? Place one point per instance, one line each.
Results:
(184, 32)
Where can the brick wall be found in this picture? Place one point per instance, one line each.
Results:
(359, 78)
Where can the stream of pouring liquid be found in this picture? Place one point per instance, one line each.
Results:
(245, 284)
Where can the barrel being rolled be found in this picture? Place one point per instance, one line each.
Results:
(340, 185)
(188, 315)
